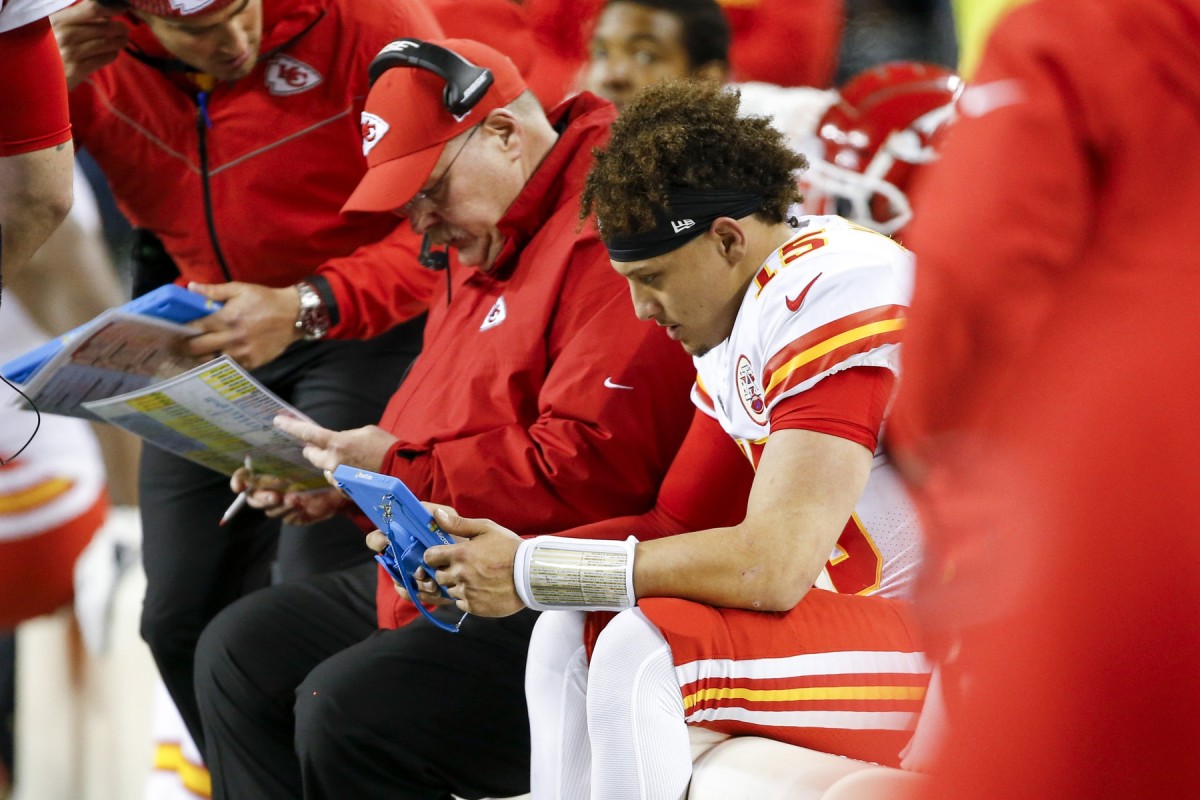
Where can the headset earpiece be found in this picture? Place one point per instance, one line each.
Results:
(466, 83)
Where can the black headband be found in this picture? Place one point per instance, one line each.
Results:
(689, 213)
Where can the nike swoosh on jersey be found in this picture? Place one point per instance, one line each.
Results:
(610, 384)
(794, 305)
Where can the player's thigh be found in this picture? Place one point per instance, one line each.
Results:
(838, 673)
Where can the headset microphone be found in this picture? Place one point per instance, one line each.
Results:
(436, 260)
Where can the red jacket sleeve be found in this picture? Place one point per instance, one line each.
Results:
(593, 451)
(707, 486)
(379, 285)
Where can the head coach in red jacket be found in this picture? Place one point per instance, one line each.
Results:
(538, 397)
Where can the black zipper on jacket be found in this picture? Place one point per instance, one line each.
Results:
(203, 122)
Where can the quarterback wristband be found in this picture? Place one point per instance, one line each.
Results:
(552, 572)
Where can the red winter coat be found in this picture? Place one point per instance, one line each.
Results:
(539, 399)
(279, 153)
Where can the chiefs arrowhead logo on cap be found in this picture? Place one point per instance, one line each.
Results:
(373, 129)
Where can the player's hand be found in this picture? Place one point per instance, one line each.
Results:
(255, 324)
(89, 37)
(427, 590)
(364, 448)
(478, 573)
(278, 498)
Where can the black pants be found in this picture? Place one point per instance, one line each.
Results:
(301, 696)
(194, 567)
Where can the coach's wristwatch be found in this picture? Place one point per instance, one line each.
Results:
(313, 319)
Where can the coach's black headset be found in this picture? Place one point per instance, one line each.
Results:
(466, 84)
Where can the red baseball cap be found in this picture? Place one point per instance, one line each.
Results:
(177, 8)
(405, 124)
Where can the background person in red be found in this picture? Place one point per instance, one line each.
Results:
(785, 42)
(229, 129)
(1045, 417)
(35, 132)
(538, 397)
(635, 44)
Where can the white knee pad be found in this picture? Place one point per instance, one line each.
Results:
(556, 679)
(636, 723)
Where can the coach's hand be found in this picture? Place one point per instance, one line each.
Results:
(253, 326)
(364, 448)
(278, 498)
(89, 37)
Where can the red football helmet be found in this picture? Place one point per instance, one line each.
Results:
(881, 129)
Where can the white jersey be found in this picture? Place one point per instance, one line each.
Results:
(15, 13)
(833, 297)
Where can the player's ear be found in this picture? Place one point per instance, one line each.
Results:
(730, 239)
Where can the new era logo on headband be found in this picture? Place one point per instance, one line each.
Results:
(694, 210)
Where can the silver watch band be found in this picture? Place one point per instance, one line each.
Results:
(313, 318)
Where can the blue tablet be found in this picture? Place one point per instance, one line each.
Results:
(410, 529)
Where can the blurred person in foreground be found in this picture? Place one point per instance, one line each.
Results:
(1044, 419)
(53, 499)
(794, 328)
(538, 398)
(229, 133)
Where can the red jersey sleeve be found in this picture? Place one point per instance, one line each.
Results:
(849, 404)
(38, 88)
(706, 486)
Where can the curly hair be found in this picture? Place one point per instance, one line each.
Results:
(686, 134)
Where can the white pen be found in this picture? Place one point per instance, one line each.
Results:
(240, 500)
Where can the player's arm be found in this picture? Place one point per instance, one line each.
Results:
(804, 491)
(707, 484)
(811, 473)
(36, 155)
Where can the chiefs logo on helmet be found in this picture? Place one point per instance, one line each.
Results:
(886, 123)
